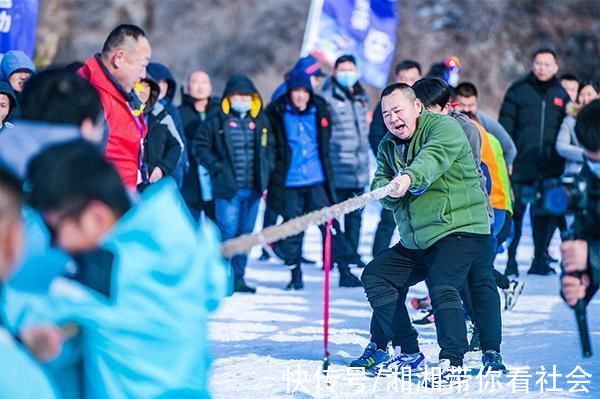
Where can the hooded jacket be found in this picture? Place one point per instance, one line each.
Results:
(13, 61)
(531, 113)
(213, 147)
(276, 112)
(12, 100)
(167, 108)
(125, 130)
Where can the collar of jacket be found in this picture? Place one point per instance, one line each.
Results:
(112, 79)
(343, 93)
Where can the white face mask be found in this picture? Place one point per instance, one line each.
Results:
(347, 79)
(241, 106)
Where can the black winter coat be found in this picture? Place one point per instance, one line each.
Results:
(275, 112)
(532, 113)
(160, 148)
(212, 149)
(190, 118)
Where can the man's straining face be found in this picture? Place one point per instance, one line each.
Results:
(400, 114)
(468, 105)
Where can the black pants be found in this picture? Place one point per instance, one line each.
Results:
(196, 209)
(542, 226)
(446, 265)
(352, 220)
(384, 232)
(301, 200)
(270, 216)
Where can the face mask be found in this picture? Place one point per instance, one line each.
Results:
(453, 77)
(241, 106)
(594, 167)
(347, 79)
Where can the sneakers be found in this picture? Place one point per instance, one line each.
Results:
(421, 303)
(541, 268)
(475, 343)
(395, 364)
(427, 319)
(511, 294)
(239, 285)
(296, 282)
(492, 360)
(512, 268)
(371, 357)
(307, 261)
(446, 376)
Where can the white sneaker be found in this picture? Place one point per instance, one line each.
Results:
(445, 376)
(512, 293)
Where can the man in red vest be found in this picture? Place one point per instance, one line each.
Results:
(113, 72)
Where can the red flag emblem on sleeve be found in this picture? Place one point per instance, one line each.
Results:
(559, 102)
(324, 122)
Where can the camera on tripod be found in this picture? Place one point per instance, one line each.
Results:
(559, 196)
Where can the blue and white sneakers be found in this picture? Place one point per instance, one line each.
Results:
(371, 357)
(414, 361)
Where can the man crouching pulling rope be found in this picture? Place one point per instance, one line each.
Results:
(440, 210)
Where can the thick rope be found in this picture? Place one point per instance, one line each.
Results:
(243, 244)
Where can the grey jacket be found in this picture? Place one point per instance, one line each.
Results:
(568, 146)
(349, 145)
(474, 139)
(494, 127)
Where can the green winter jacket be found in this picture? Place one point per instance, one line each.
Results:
(445, 195)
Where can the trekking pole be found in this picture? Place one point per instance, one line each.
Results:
(327, 266)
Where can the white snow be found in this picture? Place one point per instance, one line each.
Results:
(270, 345)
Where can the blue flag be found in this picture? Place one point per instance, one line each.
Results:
(366, 29)
(18, 23)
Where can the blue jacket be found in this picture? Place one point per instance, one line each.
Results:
(161, 292)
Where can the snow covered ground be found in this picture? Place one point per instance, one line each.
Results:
(270, 345)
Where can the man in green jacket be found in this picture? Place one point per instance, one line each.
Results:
(440, 210)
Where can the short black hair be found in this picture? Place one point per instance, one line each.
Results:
(345, 58)
(569, 76)
(432, 91)
(587, 126)
(403, 87)
(120, 34)
(58, 96)
(407, 64)
(594, 83)
(68, 176)
(466, 89)
(73, 66)
(544, 50)
(11, 193)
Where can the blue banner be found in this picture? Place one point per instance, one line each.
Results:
(365, 28)
(18, 23)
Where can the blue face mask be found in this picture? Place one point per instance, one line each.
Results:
(594, 167)
(241, 106)
(347, 79)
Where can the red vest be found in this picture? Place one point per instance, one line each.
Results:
(125, 131)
